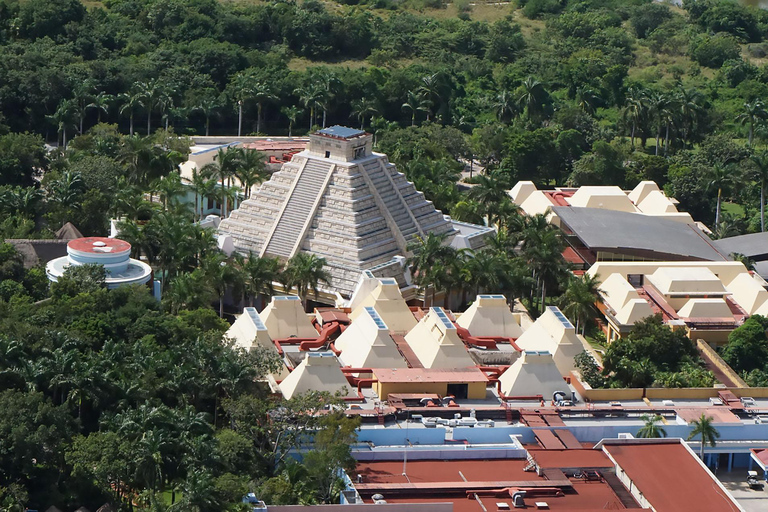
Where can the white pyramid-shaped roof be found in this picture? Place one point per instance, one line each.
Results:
(339, 200)
(534, 373)
(617, 291)
(319, 371)
(705, 308)
(284, 317)
(604, 197)
(686, 280)
(249, 332)
(489, 315)
(553, 333)
(388, 302)
(633, 310)
(656, 203)
(366, 343)
(748, 293)
(436, 342)
(520, 192)
(642, 190)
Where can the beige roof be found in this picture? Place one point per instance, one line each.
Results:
(686, 280)
(319, 371)
(656, 203)
(534, 373)
(606, 198)
(249, 332)
(748, 293)
(388, 302)
(705, 308)
(489, 315)
(536, 203)
(617, 291)
(521, 191)
(284, 317)
(436, 342)
(633, 310)
(366, 343)
(642, 190)
(552, 332)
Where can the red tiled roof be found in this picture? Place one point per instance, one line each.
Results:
(718, 414)
(461, 375)
(670, 477)
(99, 245)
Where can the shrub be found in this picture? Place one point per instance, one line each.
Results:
(713, 51)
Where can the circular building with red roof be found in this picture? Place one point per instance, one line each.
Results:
(113, 254)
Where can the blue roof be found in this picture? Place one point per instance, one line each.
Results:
(341, 132)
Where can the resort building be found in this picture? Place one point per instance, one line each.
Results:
(708, 299)
(343, 202)
(112, 254)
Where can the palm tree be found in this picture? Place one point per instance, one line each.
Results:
(130, 102)
(242, 91)
(208, 105)
(306, 272)
(650, 429)
(310, 95)
(328, 80)
(23, 201)
(580, 297)
(220, 274)
(532, 97)
(412, 103)
(721, 176)
(753, 113)
(64, 118)
(430, 89)
(709, 434)
(689, 106)
(292, 113)
(81, 98)
(428, 261)
(189, 290)
(204, 188)
(198, 493)
(101, 102)
(261, 93)
(363, 108)
(225, 165)
(759, 171)
(659, 106)
(588, 99)
(635, 111)
(505, 106)
(252, 169)
(150, 93)
(490, 191)
(67, 190)
(169, 188)
(542, 248)
(259, 274)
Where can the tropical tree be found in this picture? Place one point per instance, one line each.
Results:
(261, 93)
(64, 117)
(292, 113)
(659, 106)
(721, 177)
(505, 106)
(259, 276)
(580, 297)
(429, 260)
(532, 97)
(635, 111)
(130, 103)
(490, 190)
(709, 435)
(242, 90)
(363, 108)
(101, 102)
(310, 95)
(204, 188)
(67, 190)
(225, 165)
(430, 90)
(220, 274)
(252, 169)
(650, 428)
(81, 99)
(306, 272)
(151, 93)
(689, 103)
(542, 247)
(758, 170)
(207, 105)
(169, 187)
(752, 114)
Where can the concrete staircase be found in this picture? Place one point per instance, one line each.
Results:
(393, 200)
(298, 207)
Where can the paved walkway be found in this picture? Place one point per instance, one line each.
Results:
(736, 482)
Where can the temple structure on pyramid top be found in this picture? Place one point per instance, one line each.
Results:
(343, 202)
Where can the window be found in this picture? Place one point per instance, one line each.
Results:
(635, 280)
(327, 154)
(359, 153)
